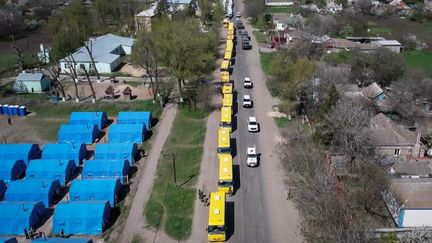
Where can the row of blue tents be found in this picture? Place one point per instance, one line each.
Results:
(85, 127)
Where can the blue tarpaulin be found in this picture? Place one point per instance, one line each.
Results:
(95, 189)
(23, 152)
(8, 240)
(64, 240)
(16, 216)
(133, 117)
(106, 169)
(11, 169)
(76, 152)
(126, 133)
(121, 151)
(2, 189)
(93, 118)
(77, 134)
(46, 191)
(81, 217)
(51, 169)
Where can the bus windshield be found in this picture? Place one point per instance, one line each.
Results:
(225, 183)
(212, 229)
(224, 150)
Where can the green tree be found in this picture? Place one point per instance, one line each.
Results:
(255, 8)
(218, 12)
(387, 66)
(329, 101)
(163, 8)
(206, 8)
(346, 30)
(106, 9)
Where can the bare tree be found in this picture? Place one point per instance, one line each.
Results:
(54, 71)
(71, 64)
(90, 84)
(89, 47)
(19, 53)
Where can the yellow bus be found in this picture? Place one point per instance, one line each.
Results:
(226, 118)
(225, 182)
(224, 143)
(228, 56)
(227, 100)
(225, 77)
(229, 49)
(225, 23)
(225, 66)
(227, 88)
(230, 26)
(216, 224)
(230, 37)
(231, 32)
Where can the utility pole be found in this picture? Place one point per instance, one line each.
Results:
(174, 168)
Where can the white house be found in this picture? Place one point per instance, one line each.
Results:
(279, 3)
(107, 50)
(143, 19)
(31, 83)
(334, 8)
(393, 45)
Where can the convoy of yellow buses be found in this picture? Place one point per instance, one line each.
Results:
(216, 229)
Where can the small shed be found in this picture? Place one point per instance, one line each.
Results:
(46, 191)
(17, 216)
(95, 189)
(89, 118)
(100, 168)
(12, 169)
(134, 117)
(75, 152)
(122, 151)
(81, 217)
(127, 93)
(126, 133)
(64, 240)
(2, 189)
(31, 83)
(77, 134)
(24, 152)
(109, 93)
(51, 169)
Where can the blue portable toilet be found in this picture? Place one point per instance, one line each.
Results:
(46, 191)
(76, 152)
(24, 152)
(51, 169)
(3, 188)
(122, 151)
(101, 168)
(63, 240)
(22, 111)
(81, 217)
(12, 169)
(95, 189)
(10, 110)
(17, 216)
(8, 240)
(15, 110)
(5, 109)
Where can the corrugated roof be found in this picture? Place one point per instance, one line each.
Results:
(102, 48)
(29, 77)
(388, 133)
(389, 43)
(413, 193)
(372, 91)
(150, 12)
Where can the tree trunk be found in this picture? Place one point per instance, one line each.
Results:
(153, 86)
(90, 52)
(179, 81)
(91, 86)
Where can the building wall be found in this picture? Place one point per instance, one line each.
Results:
(404, 151)
(28, 87)
(279, 4)
(101, 67)
(396, 49)
(143, 23)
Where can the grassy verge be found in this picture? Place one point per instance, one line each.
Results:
(419, 59)
(266, 61)
(260, 36)
(377, 30)
(170, 205)
(8, 62)
(341, 57)
(282, 122)
(288, 9)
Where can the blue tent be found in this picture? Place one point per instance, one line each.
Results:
(90, 117)
(126, 133)
(81, 217)
(121, 151)
(24, 152)
(51, 169)
(106, 169)
(11, 169)
(95, 189)
(2, 189)
(8, 240)
(76, 152)
(16, 216)
(46, 191)
(132, 117)
(64, 240)
(78, 134)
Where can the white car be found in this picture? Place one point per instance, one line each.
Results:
(253, 125)
(238, 14)
(252, 157)
(247, 83)
(247, 101)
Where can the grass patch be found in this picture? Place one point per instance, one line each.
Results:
(8, 62)
(170, 205)
(266, 60)
(378, 30)
(260, 36)
(288, 9)
(341, 57)
(419, 59)
(282, 122)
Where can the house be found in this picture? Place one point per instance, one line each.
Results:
(280, 21)
(334, 8)
(143, 19)
(279, 3)
(361, 43)
(409, 202)
(411, 169)
(373, 92)
(399, 4)
(394, 140)
(107, 50)
(31, 83)
(393, 45)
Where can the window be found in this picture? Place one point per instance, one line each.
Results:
(397, 152)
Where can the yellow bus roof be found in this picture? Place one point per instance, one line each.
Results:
(227, 88)
(226, 114)
(225, 167)
(225, 77)
(225, 65)
(228, 55)
(223, 138)
(227, 100)
(231, 26)
(231, 32)
(230, 37)
(217, 209)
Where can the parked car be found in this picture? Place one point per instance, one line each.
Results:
(247, 83)
(246, 45)
(253, 125)
(238, 14)
(247, 101)
(252, 157)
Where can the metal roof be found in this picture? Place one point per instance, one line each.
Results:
(30, 77)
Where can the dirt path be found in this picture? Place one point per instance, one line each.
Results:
(135, 221)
